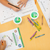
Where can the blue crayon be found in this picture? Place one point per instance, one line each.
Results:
(40, 35)
(34, 22)
(30, 23)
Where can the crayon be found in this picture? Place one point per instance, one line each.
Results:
(39, 25)
(33, 35)
(35, 1)
(34, 22)
(36, 27)
(42, 20)
(40, 35)
(30, 21)
(2, 43)
(13, 5)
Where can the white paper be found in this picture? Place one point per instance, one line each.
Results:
(8, 14)
(10, 41)
(45, 7)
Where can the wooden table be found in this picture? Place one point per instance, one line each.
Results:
(27, 30)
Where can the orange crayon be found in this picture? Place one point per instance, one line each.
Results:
(2, 43)
(35, 1)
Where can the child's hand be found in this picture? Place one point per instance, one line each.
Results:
(2, 45)
(16, 9)
(22, 2)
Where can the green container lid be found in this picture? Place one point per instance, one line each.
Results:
(17, 20)
(34, 15)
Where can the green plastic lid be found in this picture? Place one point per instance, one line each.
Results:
(34, 15)
(17, 20)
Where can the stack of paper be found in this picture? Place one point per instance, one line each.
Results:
(7, 14)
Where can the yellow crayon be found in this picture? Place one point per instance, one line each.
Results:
(38, 25)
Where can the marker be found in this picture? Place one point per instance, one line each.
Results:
(13, 5)
(40, 35)
(34, 22)
(30, 21)
(42, 20)
(33, 35)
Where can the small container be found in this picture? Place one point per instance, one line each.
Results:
(17, 20)
(34, 15)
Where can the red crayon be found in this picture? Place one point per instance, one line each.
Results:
(30, 21)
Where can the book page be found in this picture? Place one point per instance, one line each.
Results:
(13, 39)
(45, 7)
(8, 14)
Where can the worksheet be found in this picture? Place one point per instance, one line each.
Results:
(13, 39)
(45, 7)
(7, 14)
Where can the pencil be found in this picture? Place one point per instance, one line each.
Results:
(13, 5)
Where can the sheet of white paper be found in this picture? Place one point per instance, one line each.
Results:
(8, 37)
(45, 7)
(8, 14)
